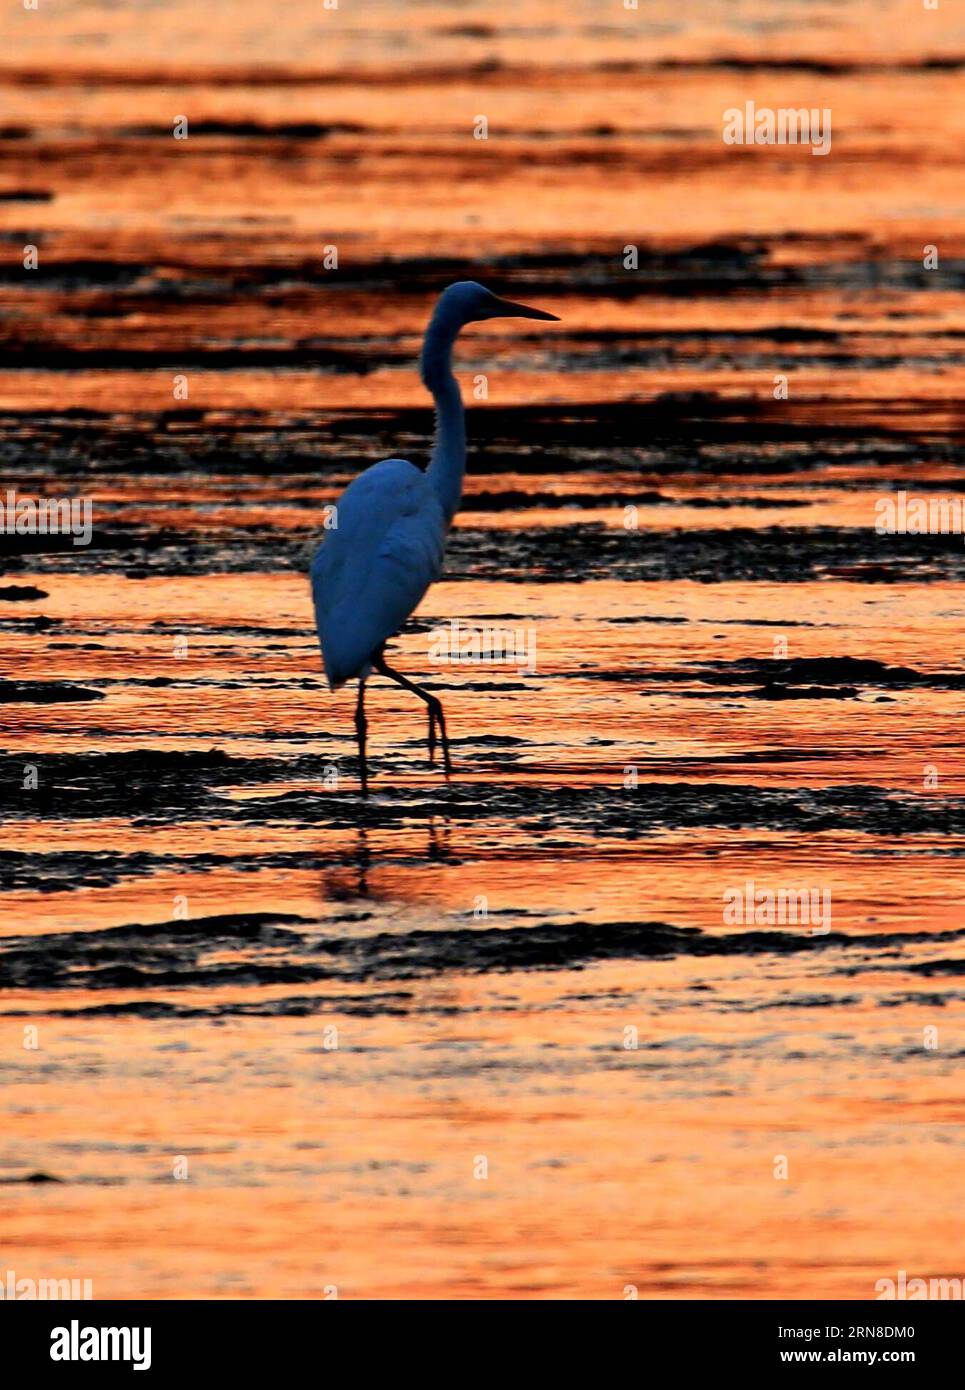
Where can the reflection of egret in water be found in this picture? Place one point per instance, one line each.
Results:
(438, 850)
(350, 879)
(374, 568)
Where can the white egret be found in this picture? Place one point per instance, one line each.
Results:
(374, 567)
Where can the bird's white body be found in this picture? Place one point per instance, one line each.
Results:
(391, 524)
(376, 565)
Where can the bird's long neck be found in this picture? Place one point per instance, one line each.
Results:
(448, 462)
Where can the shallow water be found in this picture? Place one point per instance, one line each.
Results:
(334, 1009)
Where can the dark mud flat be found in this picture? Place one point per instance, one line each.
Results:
(21, 593)
(686, 432)
(571, 554)
(44, 693)
(831, 673)
(746, 265)
(663, 453)
(171, 956)
(156, 788)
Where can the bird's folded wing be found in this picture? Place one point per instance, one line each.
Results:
(375, 566)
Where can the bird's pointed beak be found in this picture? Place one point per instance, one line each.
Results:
(509, 310)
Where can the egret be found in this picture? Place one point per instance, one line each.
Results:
(373, 569)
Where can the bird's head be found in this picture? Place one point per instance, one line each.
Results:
(468, 302)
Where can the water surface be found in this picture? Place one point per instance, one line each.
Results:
(334, 1010)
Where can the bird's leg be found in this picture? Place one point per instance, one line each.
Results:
(361, 725)
(435, 710)
(432, 737)
(443, 738)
